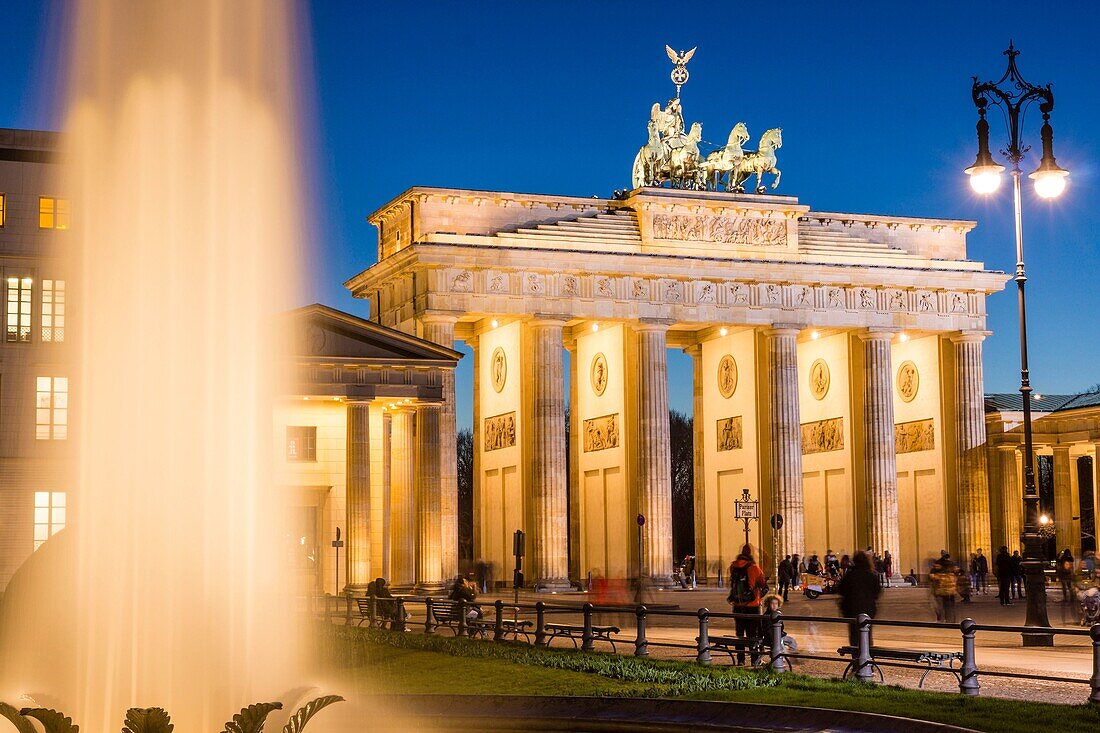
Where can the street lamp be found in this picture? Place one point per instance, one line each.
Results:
(1014, 95)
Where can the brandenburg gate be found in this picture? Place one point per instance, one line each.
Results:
(837, 364)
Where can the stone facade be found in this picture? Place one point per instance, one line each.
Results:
(850, 323)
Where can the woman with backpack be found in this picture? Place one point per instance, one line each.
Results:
(747, 585)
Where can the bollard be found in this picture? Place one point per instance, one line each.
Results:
(372, 614)
(498, 627)
(586, 635)
(347, 608)
(779, 662)
(968, 675)
(428, 615)
(398, 614)
(540, 624)
(461, 618)
(641, 644)
(865, 671)
(702, 656)
(1094, 681)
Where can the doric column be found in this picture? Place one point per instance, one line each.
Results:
(1013, 493)
(697, 453)
(970, 456)
(574, 464)
(429, 559)
(1063, 500)
(880, 460)
(786, 436)
(357, 495)
(403, 500)
(549, 482)
(387, 506)
(654, 452)
(440, 329)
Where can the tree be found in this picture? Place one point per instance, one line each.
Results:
(681, 444)
(464, 445)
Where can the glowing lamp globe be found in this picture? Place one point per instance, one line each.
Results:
(985, 180)
(1049, 184)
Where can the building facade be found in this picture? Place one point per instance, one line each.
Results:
(35, 488)
(837, 371)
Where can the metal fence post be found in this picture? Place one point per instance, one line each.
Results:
(702, 656)
(779, 662)
(398, 614)
(461, 618)
(1094, 681)
(540, 624)
(586, 635)
(428, 615)
(641, 644)
(347, 608)
(865, 671)
(372, 603)
(498, 626)
(968, 676)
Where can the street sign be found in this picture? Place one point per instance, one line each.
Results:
(777, 521)
(746, 508)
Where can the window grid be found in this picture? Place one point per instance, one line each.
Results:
(301, 443)
(50, 515)
(19, 309)
(52, 409)
(53, 311)
(53, 213)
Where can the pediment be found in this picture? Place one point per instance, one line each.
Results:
(321, 331)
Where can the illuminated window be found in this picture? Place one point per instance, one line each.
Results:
(301, 443)
(53, 213)
(49, 515)
(19, 309)
(51, 420)
(53, 310)
(3, 209)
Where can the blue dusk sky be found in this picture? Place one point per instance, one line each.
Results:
(873, 98)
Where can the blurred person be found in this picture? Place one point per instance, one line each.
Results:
(465, 590)
(859, 590)
(845, 562)
(481, 575)
(981, 572)
(747, 584)
(1003, 569)
(1017, 575)
(944, 587)
(1064, 571)
(799, 567)
(965, 588)
(785, 575)
(813, 567)
(887, 568)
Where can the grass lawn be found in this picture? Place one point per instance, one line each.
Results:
(378, 661)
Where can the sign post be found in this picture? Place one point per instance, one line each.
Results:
(641, 551)
(747, 510)
(337, 544)
(518, 546)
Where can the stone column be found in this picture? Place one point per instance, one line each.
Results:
(1013, 493)
(654, 452)
(880, 460)
(549, 482)
(970, 456)
(574, 465)
(786, 436)
(440, 329)
(702, 562)
(429, 556)
(1063, 500)
(387, 507)
(403, 500)
(357, 496)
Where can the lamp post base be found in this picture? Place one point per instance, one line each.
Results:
(1035, 589)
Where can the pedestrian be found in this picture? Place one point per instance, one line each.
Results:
(972, 569)
(799, 564)
(944, 587)
(845, 562)
(481, 575)
(1003, 569)
(1064, 571)
(769, 605)
(813, 567)
(687, 571)
(859, 590)
(876, 563)
(982, 571)
(747, 585)
(887, 567)
(464, 590)
(1017, 575)
(785, 577)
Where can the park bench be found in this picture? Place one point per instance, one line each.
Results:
(449, 614)
(576, 631)
(372, 614)
(934, 661)
(484, 627)
(733, 644)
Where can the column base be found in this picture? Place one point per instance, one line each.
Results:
(553, 585)
(356, 590)
(430, 588)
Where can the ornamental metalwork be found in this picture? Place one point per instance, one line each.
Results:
(673, 156)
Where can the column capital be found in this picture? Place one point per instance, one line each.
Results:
(782, 329)
(877, 334)
(549, 319)
(652, 324)
(973, 337)
(1060, 449)
(438, 317)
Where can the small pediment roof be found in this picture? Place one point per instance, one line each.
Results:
(321, 331)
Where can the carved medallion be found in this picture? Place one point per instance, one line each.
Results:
(915, 436)
(727, 376)
(729, 433)
(823, 436)
(500, 431)
(499, 368)
(819, 379)
(601, 433)
(908, 381)
(599, 374)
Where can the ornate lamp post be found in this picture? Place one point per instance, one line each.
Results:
(1014, 95)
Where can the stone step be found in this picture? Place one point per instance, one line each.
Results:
(534, 235)
(617, 225)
